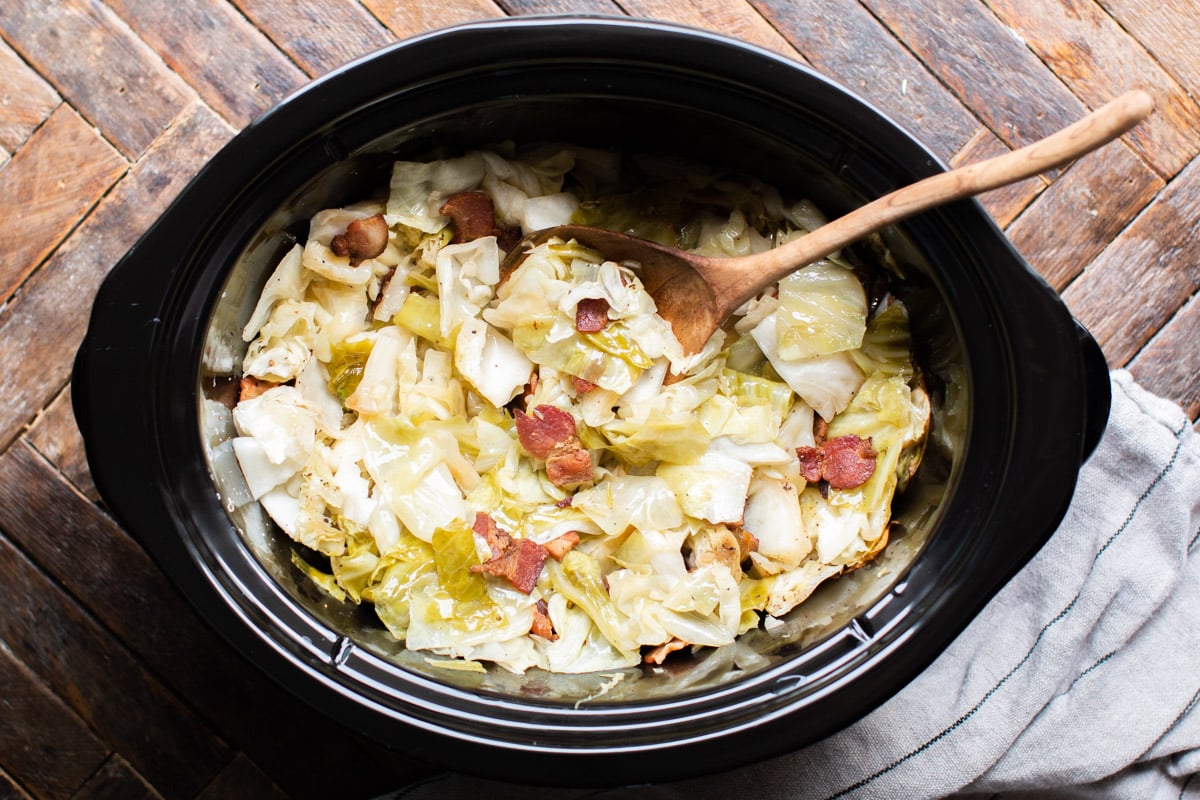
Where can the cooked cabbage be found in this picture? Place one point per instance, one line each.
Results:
(531, 471)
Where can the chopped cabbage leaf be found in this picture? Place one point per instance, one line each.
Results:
(825, 382)
(419, 189)
(822, 309)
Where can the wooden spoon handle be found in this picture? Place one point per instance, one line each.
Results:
(1097, 128)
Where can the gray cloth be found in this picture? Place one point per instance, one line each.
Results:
(1080, 679)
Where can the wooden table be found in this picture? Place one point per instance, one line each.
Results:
(109, 685)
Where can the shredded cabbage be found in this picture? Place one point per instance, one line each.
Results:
(531, 471)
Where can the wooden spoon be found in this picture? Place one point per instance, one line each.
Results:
(696, 294)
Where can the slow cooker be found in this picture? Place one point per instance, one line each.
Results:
(1021, 396)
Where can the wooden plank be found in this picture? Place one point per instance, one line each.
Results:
(984, 64)
(53, 180)
(408, 19)
(1167, 28)
(52, 752)
(116, 780)
(1170, 364)
(98, 64)
(1135, 286)
(1083, 211)
(319, 36)
(735, 19)
(99, 679)
(523, 7)
(231, 64)
(26, 100)
(1099, 60)
(56, 436)
(846, 43)
(241, 779)
(9, 789)
(50, 314)
(1005, 203)
(110, 575)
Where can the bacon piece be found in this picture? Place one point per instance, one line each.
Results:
(845, 462)
(820, 429)
(364, 238)
(811, 459)
(849, 461)
(486, 527)
(581, 386)
(517, 560)
(543, 430)
(549, 434)
(542, 625)
(473, 215)
(557, 548)
(591, 315)
(250, 387)
(660, 653)
(569, 467)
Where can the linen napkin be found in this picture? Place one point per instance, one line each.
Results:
(1080, 679)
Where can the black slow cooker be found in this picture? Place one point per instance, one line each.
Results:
(1021, 395)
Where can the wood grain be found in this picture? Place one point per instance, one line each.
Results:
(241, 779)
(1082, 211)
(9, 789)
(405, 19)
(109, 574)
(734, 19)
(116, 780)
(54, 758)
(522, 7)
(846, 43)
(56, 436)
(1170, 364)
(1167, 29)
(1098, 60)
(49, 316)
(102, 682)
(317, 35)
(1136, 285)
(51, 183)
(110, 75)
(988, 68)
(26, 99)
(229, 62)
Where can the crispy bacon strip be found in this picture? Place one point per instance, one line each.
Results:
(543, 430)
(250, 387)
(363, 239)
(549, 434)
(820, 429)
(660, 653)
(519, 561)
(473, 215)
(844, 462)
(542, 625)
(557, 548)
(569, 467)
(591, 315)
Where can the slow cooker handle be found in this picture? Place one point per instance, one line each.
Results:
(1099, 393)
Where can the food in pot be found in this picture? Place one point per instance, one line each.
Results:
(527, 469)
